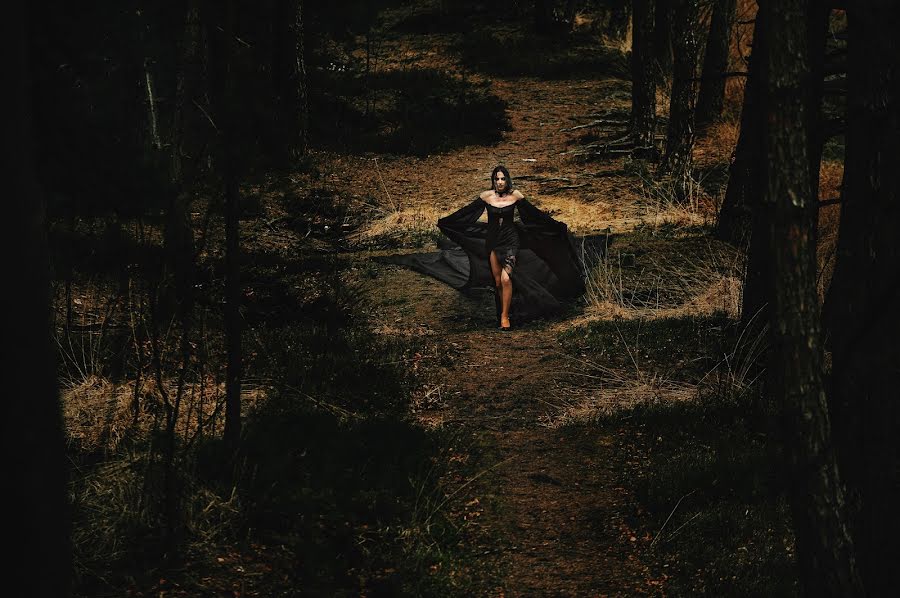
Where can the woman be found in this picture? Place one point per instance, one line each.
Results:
(532, 263)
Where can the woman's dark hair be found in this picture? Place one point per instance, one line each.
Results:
(509, 183)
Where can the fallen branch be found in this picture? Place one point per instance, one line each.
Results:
(563, 188)
(595, 123)
(542, 179)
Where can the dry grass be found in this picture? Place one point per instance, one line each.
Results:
(99, 414)
(399, 225)
(703, 284)
(594, 391)
(716, 144)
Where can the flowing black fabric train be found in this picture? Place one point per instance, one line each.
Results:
(546, 271)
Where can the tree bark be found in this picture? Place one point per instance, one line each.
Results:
(662, 41)
(643, 81)
(735, 214)
(542, 16)
(38, 521)
(184, 159)
(227, 109)
(677, 160)
(299, 97)
(824, 548)
(861, 305)
(711, 100)
(290, 81)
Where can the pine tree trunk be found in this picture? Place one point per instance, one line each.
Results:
(824, 548)
(862, 302)
(662, 41)
(711, 99)
(677, 160)
(542, 16)
(735, 213)
(300, 107)
(233, 327)
(184, 160)
(35, 484)
(643, 82)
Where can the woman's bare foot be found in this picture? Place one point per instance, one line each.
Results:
(504, 323)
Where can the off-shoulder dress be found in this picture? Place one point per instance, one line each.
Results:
(537, 250)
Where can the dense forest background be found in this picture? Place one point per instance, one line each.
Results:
(226, 387)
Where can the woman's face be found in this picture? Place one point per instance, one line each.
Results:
(500, 181)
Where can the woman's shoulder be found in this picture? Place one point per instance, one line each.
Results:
(486, 195)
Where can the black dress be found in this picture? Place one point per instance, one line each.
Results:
(537, 251)
(502, 235)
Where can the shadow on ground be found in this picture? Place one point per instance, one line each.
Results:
(414, 112)
(523, 54)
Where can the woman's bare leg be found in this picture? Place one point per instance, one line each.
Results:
(497, 271)
(505, 297)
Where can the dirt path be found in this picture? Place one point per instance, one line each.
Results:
(554, 512)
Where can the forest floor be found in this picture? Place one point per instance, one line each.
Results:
(544, 496)
(603, 453)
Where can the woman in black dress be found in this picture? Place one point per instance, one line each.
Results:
(532, 262)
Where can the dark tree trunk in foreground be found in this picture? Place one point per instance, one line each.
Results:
(37, 506)
(711, 99)
(817, 23)
(643, 82)
(227, 109)
(184, 160)
(824, 549)
(662, 40)
(735, 213)
(299, 96)
(289, 79)
(863, 303)
(677, 161)
(543, 15)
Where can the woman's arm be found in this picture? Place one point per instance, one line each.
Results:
(463, 228)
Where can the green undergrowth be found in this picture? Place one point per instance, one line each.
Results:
(335, 490)
(711, 506)
(685, 348)
(712, 497)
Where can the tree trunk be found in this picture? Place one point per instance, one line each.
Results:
(184, 159)
(542, 15)
(299, 97)
(35, 484)
(735, 213)
(677, 161)
(818, 32)
(290, 82)
(711, 100)
(233, 328)
(662, 41)
(861, 305)
(824, 549)
(643, 82)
